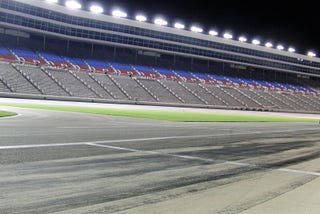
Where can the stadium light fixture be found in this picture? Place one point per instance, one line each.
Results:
(119, 14)
(196, 29)
(161, 22)
(141, 18)
(96, 9)
(311, 54)
(242, 39)
(52, 1)
(227, 36)
(213, 33)
(280, 47)
(73, 4)
(256, 42)
(269, 45)
(179, 25)
(291, 50)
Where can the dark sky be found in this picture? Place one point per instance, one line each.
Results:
(290, 23)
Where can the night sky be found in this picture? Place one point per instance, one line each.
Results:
(291, 23)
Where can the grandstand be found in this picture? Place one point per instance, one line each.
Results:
(55, 53)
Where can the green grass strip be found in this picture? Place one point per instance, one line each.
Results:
(174, 115)
(6, 114)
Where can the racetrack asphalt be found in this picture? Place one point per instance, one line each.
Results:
(62, 162)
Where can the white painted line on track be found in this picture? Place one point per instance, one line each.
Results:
(188, 157)
(105, 141)
(103, 144)
(139, 139)
(299, 171)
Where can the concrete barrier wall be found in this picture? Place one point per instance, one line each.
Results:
(97, 100)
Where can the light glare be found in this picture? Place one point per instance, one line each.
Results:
(159, 21)
(242, 39)
(73, 4)
(52, 1)
(213, 33)
(311, 54)
(96, 9)
(227, 36)
(280, 47)
(269, 45)
(179, 26)
(256, 42)
(196, 29)
(291, 50)
(141, 18)
(119, 14)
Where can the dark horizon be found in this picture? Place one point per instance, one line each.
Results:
(290, 24)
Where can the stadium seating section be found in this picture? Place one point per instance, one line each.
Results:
(25, 71)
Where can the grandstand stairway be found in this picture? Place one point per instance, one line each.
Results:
(212, 98)
(18, 83)
(162, 93)
(263, 101)
(247, 99)
(193, 90)
(76, 87)
(89, 86)
(48, 85)
(18, 68)
(4, 86)
(108, 82)
(146, 89)
(137, 92)
(178, 89)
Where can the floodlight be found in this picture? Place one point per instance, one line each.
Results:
(52, 1)
(179, 25)
(159, 21)
(196, 29)
(269, 45)
(242, 39)
(213, 33)
(96, 9)
(311, 54)
(73, 4)
(280, 47)
(227, 36)
(256, 42)
(119, 14)
(141, 18)
(291, 50)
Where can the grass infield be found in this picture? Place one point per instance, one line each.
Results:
(169, 115)
(6, 113)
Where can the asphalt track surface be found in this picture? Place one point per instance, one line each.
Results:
(62, 162)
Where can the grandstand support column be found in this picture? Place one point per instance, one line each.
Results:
(114, 53)
(44, 42)
(191, 66)
(68, 44)
(136, 56)
(18, 38)
(91, 49)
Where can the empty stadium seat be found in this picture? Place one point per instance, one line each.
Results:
(99, 66)
(6, 55)
(146, 71)
(55, 60)
(77, 62)
(203, 77)
(166, 73)
(27, 56)
(124, 69)
(186, 76)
